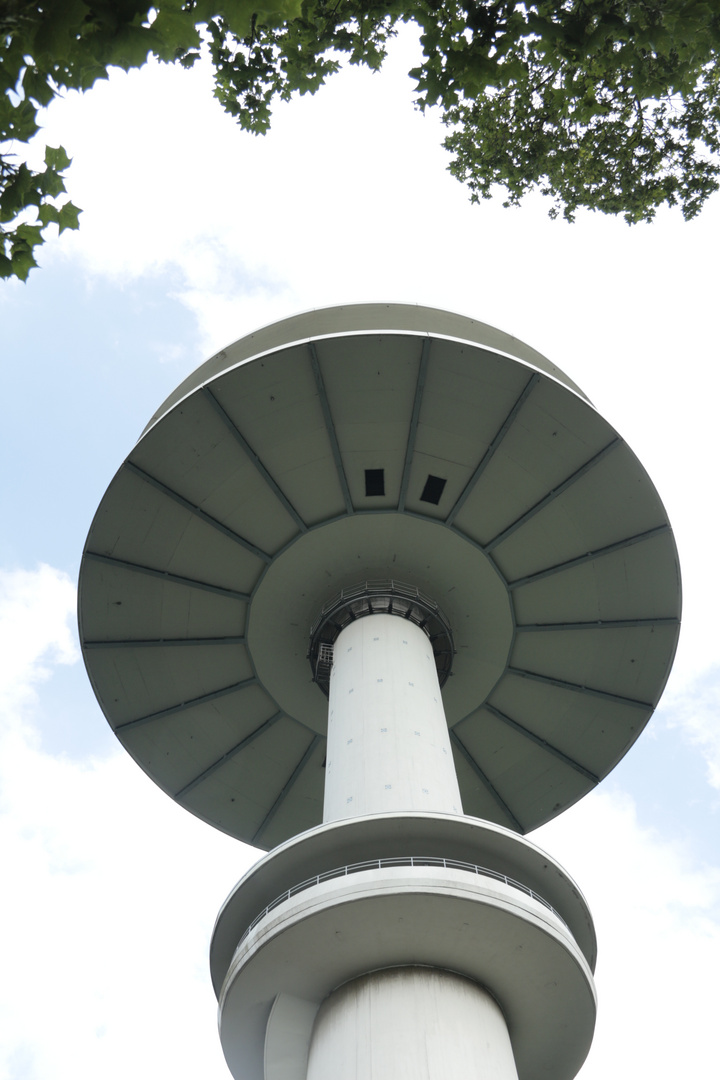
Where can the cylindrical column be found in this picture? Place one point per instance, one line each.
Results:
(410, 1023)
(388, 740)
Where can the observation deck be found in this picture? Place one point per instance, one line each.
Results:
(377, 442)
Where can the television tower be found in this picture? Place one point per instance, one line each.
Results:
(379, 591)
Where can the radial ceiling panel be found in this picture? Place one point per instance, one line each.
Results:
(614, 659)
(480, 799)
(377, 441)
(295, 806)
(529, 777)
(147, 678)
(277, 771)
(116, 610)
(578, 727)
(590, 587)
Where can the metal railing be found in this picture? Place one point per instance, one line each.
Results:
(388, 597)
(402, 860)
(384, 587)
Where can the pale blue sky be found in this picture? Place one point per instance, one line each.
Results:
(194, 234)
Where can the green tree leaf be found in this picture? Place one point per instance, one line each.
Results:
(56, 158)
(69, 217)
(49, 214)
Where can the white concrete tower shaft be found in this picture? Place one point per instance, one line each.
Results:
(388, 741)
(389, 750)
(411, 1023)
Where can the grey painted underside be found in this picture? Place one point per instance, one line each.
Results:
(308, 743)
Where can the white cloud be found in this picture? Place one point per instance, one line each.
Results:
(657, 916)
(109, 889)
(35, 609)
(695, 708)
(346, 199)
(107, 917)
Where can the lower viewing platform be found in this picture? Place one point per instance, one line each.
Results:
(299, 926)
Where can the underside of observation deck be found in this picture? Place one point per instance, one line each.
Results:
(362, 444)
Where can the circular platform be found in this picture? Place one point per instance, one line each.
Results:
(438, 918)
(393, 837)
(370, 443)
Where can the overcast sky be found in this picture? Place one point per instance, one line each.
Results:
(194, 234)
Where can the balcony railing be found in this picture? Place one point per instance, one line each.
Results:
(402, 860)
(388, 597)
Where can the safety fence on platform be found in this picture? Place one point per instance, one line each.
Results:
(387, 597)
(402, 860)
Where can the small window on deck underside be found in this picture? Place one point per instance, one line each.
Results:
(433, 489)
(374, 481)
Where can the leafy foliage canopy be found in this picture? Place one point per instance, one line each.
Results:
(55, 45)
(607, 104)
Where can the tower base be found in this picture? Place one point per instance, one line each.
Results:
(411, 1023)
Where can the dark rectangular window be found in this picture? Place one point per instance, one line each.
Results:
(374, 481)
(432, 492)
